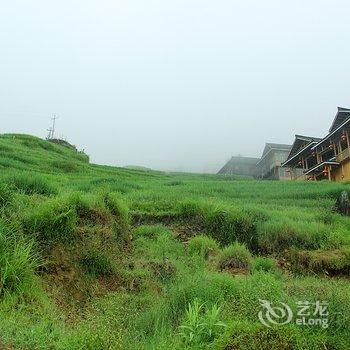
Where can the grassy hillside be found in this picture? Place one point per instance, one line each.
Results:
(98, 257)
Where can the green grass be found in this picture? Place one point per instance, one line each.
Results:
(99, 257)
(203, 246)
(235, 256)
(97, 264)
(18, 261)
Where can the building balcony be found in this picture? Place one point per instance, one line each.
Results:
(343, 155)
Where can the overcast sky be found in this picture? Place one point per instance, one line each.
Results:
(173, 85)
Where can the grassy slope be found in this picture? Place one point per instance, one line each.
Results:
(99, 257)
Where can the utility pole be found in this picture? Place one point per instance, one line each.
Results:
(49, 135)
(52, 129)
(53, 125)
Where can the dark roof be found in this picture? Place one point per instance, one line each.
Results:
(307, 138)
(279, 146)
(243, 160)
(274, 147)
(335, 131)
(340, 117)
(300, 142)
(238, 161)
(296, 156)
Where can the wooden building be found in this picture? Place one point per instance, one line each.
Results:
(270, 165)
(327, 158)
(332, 152)
(239, 165)
(300, 159)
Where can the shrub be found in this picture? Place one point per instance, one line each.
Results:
(235, 256)
(120, 211)
(280, 234)
(54, 220)
(226, 224)
(202, 245)
(331, 262)
(191, 209)
(151, 231)
(32, 184)
(97, 264)
(247, 335)
(17, 261)
(117, 208)
(230, 225)
(201, 326)
(264, 264)
(90, 208)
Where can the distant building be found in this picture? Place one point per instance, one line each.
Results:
(240, 166)
(270, 167)
(329, 158)
(300, 158)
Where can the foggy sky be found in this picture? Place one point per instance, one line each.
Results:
(173, 85)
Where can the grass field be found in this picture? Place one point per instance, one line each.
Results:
(98, 257)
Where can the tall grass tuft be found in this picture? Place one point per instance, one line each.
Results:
(18, 261)
(96, 263)
(53, 220)
(6, 195)
(121, 214)
(30, 184)
(201, 326)
(279, 234)
(203, 246)
(235, 256)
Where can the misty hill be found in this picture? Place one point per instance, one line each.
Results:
(32, 153)
(137, 167)
(100, 257)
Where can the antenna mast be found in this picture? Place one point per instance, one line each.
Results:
(52, 129)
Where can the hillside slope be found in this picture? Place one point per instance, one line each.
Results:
(98, 257)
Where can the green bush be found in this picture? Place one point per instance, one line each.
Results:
(97, 264)
(226, 224)
(202, 245)
(280, 234)
(235, 256)
(90, 208)
(264, 264)
(151, 231)
(120, 212)
(117, 208)
(32, 184)
(329, 262)
(190, 209)
(201, 326)
(18, 261)
(53, 220)
(247, 335)
(230, 225)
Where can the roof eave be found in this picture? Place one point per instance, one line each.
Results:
(332, 133)
(297, 154)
